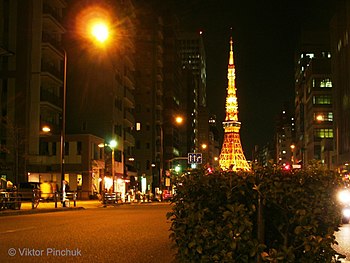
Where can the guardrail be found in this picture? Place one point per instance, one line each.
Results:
(73, 195)
(10, 200)
(13, 199)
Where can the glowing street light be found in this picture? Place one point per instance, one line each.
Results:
(179, 119)
(100, 31)
(46, 129)
(292, 147)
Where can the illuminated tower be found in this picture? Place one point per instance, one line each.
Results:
(231, 156)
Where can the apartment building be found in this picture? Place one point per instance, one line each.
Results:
(314, 99)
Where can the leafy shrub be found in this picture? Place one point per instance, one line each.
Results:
(217, 217)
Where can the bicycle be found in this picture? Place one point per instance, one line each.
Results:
(35, 199)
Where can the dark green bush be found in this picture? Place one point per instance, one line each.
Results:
(215, 216)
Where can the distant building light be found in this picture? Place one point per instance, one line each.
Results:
(46, 129)
(319, 117)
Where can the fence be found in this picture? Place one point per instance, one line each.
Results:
(13, 199)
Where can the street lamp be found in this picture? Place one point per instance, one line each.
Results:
(112, 145)
(178, 120)
(100, 32)
(63, 127)
(292, 147)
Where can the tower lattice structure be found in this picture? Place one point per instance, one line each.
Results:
(232, 156)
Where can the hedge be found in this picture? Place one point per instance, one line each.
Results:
(263, 216)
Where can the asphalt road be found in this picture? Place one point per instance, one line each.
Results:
(123, 234)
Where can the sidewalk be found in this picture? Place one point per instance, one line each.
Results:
(49, 205)
(46, 207)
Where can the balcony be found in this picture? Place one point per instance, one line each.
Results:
(129, 139)
(48, 10)
(54, 43)
(46, 96)
(129, 118)
(51, 69)
(129, 97)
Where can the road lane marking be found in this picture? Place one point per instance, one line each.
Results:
(17, 230)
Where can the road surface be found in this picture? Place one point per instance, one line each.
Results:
(123, 234)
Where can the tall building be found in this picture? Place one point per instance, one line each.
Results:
(340, 49)
(160, 96)
(149, 93)
(232, 156)
(214, 145)
(285, 136)
(174, 97)
(314, 99)
(31, 87)
(194, 69)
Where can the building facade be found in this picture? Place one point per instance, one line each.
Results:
(314, 99)
(340, 49)
(193, 61)
(149, 99)
(285, 141)
(31, 85)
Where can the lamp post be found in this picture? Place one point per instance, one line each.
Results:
(292, 147)
(63, 127)
(178, 120)
(112, 145)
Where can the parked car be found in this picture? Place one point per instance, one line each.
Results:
(26, 190)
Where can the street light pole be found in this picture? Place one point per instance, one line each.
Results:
(161, 170)
(112, 144)
(63, 128)
(113, 169)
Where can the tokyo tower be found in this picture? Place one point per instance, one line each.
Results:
(232, 156)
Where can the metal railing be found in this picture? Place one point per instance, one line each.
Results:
(12, 199)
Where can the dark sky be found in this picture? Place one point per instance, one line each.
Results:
(264, 35)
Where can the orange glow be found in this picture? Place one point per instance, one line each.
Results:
(179, 119)
(94, 24)
(319, 118)
(100, 31)
(46, 129)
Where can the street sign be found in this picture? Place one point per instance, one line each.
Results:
(194, 158)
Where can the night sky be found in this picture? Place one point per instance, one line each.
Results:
(264, 35)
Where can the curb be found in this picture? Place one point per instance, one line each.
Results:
(38, 211)
(65, 209)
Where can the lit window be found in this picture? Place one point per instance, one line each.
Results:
(322, 100)
(323, 133)
(326, 83)
(138, 126)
